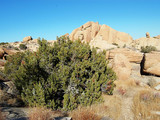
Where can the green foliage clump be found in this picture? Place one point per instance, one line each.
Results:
(148, 49)
(22, 46)
(3, 43)
(61, 76)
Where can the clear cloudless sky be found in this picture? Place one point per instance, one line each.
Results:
(50, 18)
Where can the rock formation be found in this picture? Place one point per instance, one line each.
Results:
(26, 39)
(121, 66)
(157, 37)
(152, 63)
(133, 56)
(138, 43)
(94, 31)
(147, 35)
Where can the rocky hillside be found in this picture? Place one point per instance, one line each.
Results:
(136, 69)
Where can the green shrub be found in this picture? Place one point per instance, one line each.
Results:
(22, 46)
(16, 48)
(3, 43)
(148, 49)
(61, 76)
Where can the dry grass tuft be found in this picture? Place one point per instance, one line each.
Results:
(1, 116)
(43, 114)
(145, 105)
(85, 113)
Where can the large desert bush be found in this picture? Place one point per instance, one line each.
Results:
(64, 75)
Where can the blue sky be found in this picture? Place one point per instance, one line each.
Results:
(50, 18)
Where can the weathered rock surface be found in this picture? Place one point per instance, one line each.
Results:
(9, 51)
(147, 35)
(92, 30)
(158, 37)
(26, 39)
(122, 67)
(138, 43)
(101, 44)
(133, 56)
(1, 53)
(152, 63)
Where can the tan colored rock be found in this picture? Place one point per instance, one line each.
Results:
(26, 39)
(101, 44)
(158, 37)
(35, 40)
(10, 51)
(1, 53)
(152, 63)
(133, 56)
(147, 35)
(138, 43)
(92, 30)
(122, 67)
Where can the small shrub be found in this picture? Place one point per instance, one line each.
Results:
(43, 114)
(22, 46)
(115, 44)
(16, 48)
(148, 49)
(3, 43)
(84, 113)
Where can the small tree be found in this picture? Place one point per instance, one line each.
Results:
(61, 76)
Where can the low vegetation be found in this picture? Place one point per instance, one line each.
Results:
(3, 43)
(41, 113)
(146, 105)
(62, 76)
(148, 49)
(22, 46)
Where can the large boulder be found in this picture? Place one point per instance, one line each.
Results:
(1, 53)
(92, 30)
(122, 67)
(152, 63)
(147, 35)
(138, 43)
(9, 51)
(133, 56)
(26, 39)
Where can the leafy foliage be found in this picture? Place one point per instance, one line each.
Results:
(22, 46)
(3, 43)
(61, 76)
(148, 49)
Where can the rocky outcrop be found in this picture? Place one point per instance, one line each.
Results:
(133, 56)
(152, 63)
(138, 43)
(26, 39)
(147, 35)
(122, 67)
(92, 30)
(157, 37)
